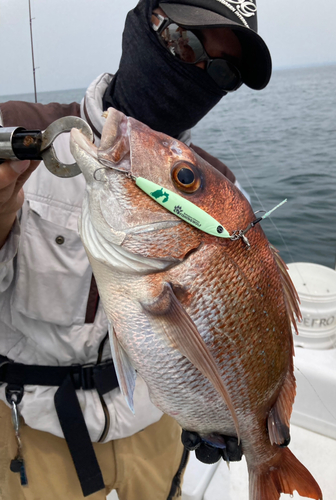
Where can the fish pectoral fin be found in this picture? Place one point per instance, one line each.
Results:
(279, 415)
(126, 374)
(182, 333)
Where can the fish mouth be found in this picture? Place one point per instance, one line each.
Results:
(114, 149)
(83, 143)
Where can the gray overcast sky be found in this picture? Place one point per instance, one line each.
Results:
(75, 40)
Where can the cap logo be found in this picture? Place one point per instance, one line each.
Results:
(242, 8)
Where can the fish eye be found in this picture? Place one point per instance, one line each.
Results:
(186, 177)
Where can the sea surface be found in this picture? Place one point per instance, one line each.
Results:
(280, 143)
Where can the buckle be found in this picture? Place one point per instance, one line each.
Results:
(87, 377)
(82, 376)
(14, 393)
(3, 362)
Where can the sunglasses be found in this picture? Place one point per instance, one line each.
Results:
(187, 47)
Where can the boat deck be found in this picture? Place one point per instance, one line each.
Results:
(217, 482)
(313, 436)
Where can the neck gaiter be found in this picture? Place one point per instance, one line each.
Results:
(154, 87)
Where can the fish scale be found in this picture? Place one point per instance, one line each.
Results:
(157, 355)
(205, 321)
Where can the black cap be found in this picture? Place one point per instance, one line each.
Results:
(241, 17)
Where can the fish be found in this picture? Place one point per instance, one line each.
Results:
(204, 320)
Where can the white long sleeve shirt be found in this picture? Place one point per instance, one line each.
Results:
(45, 280)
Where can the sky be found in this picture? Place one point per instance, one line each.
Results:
(76, 40)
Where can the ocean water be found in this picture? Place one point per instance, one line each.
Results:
(280, 143)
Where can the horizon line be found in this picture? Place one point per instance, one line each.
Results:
(276, 68)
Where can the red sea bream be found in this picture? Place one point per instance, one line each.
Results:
(206, 321)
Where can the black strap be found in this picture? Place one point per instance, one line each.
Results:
(92, 302)
(77, 438)
(101, 377)
(176, 483)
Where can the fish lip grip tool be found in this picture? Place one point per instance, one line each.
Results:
(17, 143)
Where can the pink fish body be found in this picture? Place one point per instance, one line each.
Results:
(204, 320)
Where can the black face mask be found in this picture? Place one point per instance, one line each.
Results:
(154, 87)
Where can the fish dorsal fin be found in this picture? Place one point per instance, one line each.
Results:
(291, 296)
(184, 336)
(124, 369)
(279, 416)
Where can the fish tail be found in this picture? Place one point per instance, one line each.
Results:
(284, 476)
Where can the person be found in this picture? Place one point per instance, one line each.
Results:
(77, 436)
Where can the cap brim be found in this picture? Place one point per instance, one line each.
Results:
(256, 64)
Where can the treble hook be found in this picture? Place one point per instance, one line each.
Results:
(241, 233)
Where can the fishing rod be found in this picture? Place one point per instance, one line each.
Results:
(32, 47)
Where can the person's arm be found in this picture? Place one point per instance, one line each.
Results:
(215, 162)
(219, 165)
(13, 175)
(35, 116)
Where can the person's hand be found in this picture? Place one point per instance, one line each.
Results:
(13, 175)
(231, 451)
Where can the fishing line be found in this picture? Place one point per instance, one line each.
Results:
(319, 398)
(316, 308)
(298, 270)
(227, 140)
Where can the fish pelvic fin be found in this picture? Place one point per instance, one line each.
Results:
(125, 372)
(182, 333)
(284, 476)
(279, 415)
